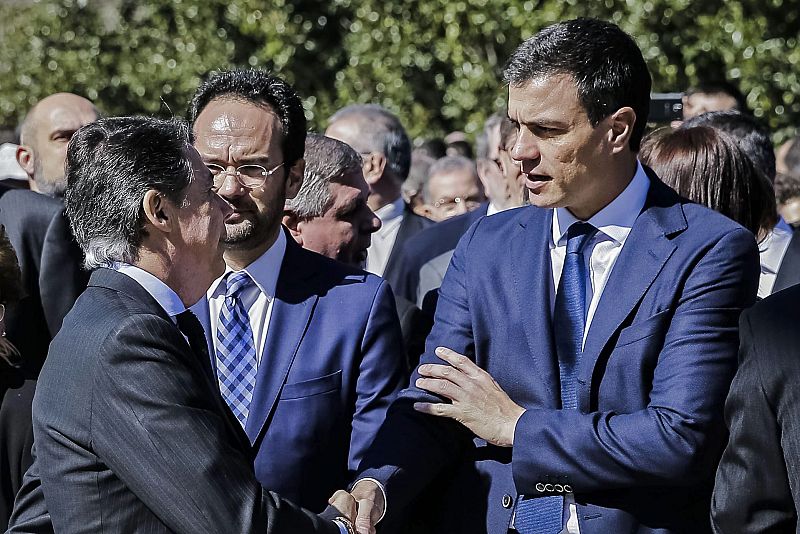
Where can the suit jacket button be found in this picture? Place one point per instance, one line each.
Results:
(507, 501)
(540, 487)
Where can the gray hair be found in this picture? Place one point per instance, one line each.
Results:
(111, 164)
(446, 165)
(326, 159)
(482, 140)
(380, 131)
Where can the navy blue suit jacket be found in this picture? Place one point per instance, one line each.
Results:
(639, 452)
(333, 362)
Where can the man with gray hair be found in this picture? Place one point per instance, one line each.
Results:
(380, 138)
(130, 432)
(330, 214)
(453, 188)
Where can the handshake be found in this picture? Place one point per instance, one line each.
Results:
(359, 510)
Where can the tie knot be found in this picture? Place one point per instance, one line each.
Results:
(577, 236)
(236, 282)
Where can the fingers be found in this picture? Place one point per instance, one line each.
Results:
(446, 372)
(368, 515)
(437, 409)
(459, 361)
(443, 388)
(345, 503)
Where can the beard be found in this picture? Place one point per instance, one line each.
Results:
(50, 186)
(251, 232)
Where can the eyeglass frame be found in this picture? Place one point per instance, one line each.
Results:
(455, 201)
(237, 174)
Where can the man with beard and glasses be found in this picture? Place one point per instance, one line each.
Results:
(306, 350)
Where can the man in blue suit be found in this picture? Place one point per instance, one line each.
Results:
(307, 351)
(590, 339)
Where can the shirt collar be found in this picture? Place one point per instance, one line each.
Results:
(161, 292)
(616, 219)
(391, 211)
(264, 270)
(773, 248)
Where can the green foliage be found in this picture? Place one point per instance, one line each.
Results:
(436, 63)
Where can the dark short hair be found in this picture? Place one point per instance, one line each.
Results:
(749, 132)
(720, 87)
(707, 166)
(380, 131)
(607, 66)
(262, 89)
(110, 166)
(787, 186)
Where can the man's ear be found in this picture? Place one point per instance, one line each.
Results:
(25, 158)
(294, 178)
(292, 222)
(158, 211)
(621, 129)
(374, 165)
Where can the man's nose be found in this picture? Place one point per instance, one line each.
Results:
(230, 186)
(526, 147)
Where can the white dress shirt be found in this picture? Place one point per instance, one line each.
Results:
(161, 292)
(614, 224)
(391, 216)
(771, 251)
(257, 298)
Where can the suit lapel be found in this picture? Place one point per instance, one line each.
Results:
(292, 310)
(789, 269)
(120, 282)
(530, 253)
(644, 254)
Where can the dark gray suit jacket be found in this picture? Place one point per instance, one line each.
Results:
(758, 481)
(132, 436)
(789, 270)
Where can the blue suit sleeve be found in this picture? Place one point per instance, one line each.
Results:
(411, 448)
(382, 373)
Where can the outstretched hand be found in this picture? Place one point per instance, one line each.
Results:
(478, 402)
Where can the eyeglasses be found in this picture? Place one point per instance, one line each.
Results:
(451, 203)
(2, 311)
(249, 176)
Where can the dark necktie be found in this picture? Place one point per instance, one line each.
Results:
(543, 515)
(193, 330)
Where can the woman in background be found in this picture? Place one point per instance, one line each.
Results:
(707, 166)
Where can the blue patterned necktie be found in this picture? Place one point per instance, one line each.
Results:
(236, 352)
(543, 515)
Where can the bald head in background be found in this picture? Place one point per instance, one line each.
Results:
(44, 136)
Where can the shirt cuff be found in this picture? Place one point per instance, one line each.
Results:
(342, 528)
(383, 492)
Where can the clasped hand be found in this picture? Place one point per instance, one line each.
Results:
(363, 506)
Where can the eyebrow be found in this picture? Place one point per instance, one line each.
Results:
(69, 132)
